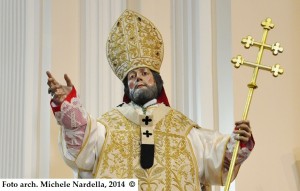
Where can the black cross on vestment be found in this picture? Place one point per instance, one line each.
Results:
(147, 133)
(147, 120)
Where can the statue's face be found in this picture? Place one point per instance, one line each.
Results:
(142, 86)
(140, 78)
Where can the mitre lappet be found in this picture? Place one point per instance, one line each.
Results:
(134, 42)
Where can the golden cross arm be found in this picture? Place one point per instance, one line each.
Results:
(249, 41)
(239, 61)
(275, 69)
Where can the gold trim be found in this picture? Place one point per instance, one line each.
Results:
(107, 133)
(195, 163)
(84, 170)
(193, 153)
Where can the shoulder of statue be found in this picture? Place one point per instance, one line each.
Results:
(193, 124)
(113, 112)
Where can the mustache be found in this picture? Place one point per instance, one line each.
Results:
(139, 84)
(135, 88)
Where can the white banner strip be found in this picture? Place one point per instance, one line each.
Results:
(68, 184)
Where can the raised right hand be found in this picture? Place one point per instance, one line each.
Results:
(58, 92)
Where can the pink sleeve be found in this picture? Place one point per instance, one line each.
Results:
(73, 119)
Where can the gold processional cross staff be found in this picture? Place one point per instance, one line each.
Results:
(238, 61)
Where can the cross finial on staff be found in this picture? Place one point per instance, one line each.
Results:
(275, 48)
(267, 24)
(275, 70)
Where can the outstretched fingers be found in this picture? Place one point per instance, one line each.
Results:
(49, 74)
(58, 92)
(51, 80)
(68, 80)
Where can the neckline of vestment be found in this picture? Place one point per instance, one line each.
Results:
(147, 105)
(132, 113)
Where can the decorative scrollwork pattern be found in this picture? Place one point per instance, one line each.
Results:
(134, 42)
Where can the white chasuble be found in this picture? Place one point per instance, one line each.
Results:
(175, 166)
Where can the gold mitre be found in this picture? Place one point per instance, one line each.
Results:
(134, 42)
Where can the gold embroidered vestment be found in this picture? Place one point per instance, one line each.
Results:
(175, 166)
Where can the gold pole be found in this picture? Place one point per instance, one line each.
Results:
(252, 86)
